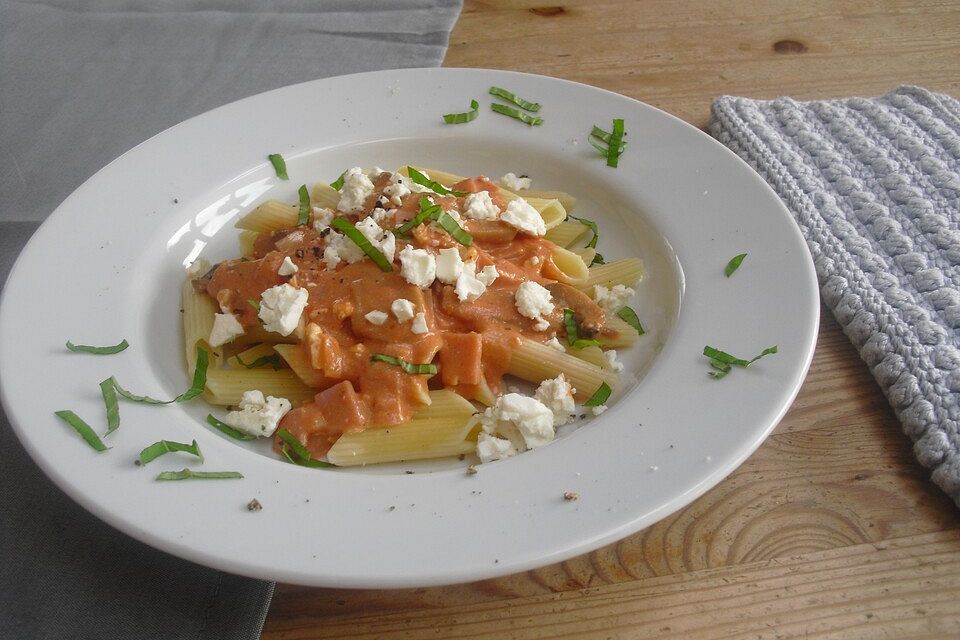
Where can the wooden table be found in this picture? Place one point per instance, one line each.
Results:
(832, 528)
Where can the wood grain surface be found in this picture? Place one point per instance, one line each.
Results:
(831, 529)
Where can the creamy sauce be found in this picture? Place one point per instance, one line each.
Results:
(470, 341)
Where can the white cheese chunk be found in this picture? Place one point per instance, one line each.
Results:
(531, 417)
(376, 317)
(226, 327)
(532, 301)
(418, 266)
(557, 395)
(340, 248)
(612, 361)
(380, 238)
(287, 268)
(515, 183)
(281, 307)
(469, 287)
(479, 206)
(403, 309)
(356, 188)
(381, 216)
(419, 325)
(612, 299)
(553, 343)
(597, 410)
(524, 217)
(488, 274)
(449, 265)
(396, 191)
(258, 416)
(322, 218)
(491, 448)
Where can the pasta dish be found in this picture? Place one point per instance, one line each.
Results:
(377, 320)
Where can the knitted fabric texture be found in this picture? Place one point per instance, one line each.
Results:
(875, 186)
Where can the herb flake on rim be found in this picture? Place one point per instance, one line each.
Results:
(109, 393)
(99, 351)
(734, 264)
(199, 382)
(188, 474)
(157, 449)
(722, 362)
(343, 225)
(515, 99)
(466, 116)
(86, 431)
(279, 165)
(516, 114)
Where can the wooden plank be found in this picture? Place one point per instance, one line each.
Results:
(903, 588)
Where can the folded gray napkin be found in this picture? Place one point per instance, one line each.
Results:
(81, 82)
(875, 186)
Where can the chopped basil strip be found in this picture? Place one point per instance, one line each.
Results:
(427, 211)
(304, 216)
(590, 224)
(614, 148)
(279, 165)
(604, 137)
(722, 361)
(223, 427)
(157, 449)
(100, 351)
(109, 393)
(301, 455)
(516, 114)
(81, 427)
(338, 183)
(254, 304)
(467, 116)
(599, 396)
(573, 334)
(429, 369)
(273, 360)
(734, 264)
(515, 99)
(187, 474)
(199, 382)
(450, 225)
(433, 185)
(597, 259)
(629, 316)
(343, 225)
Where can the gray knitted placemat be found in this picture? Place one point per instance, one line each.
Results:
(875, 186)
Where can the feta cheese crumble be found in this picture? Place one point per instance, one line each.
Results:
(322, 218)
(281, 307)
(376, 317)
(597, 410)
(449, 265)
(533, 301)
(226, 327)
(403, 309)
(355, 190)
(418, 266)
(479, 206)
(557, 395)
(469, 286)
(612, 361)
(491, 448)
(531, 418)
(258, 416)
(553, 343)
(380, 238)
(612, 299)
(419, 325)
(524, 217)
(396, 190)
(514, 182)
(340, 248)
(287, 268)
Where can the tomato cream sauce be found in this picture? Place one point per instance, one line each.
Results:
(470, 342)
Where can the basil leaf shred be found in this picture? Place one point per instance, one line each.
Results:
(301, 455)
(273, 360)
(157, 449)
(109, 393)
(304, 216)
(516, 114)
(515, 99)
(338, 183)
(433, 185)
(279, 165)
(226, 429)
(629, 316)
(188, 474)
(86, 431)
(734, 264)
(466, 116)
(599, 396)
(343, 225)
(723, 361)
(199, 382)
(428, 369)
(99, 351)
(573, 333)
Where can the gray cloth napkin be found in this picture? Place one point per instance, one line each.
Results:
(875, 186)
(81, 82)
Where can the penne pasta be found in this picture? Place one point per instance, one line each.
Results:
(247, 239)
(623, 335)
(270, 216)
(324, 196)
(299, 362)
(566, 200)
(551, 211)
(250, 355)
(226, 386)
(566, 233)
(438, 430)
(571, 267)
(628, 272)
(586, 254)
(536, 362)
(198, 312)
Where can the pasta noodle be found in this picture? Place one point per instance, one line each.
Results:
(536, 362)
(566, 233)
(627, 272)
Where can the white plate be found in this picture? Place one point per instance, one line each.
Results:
(109, 262)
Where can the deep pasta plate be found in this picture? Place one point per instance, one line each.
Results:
(678, 200)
